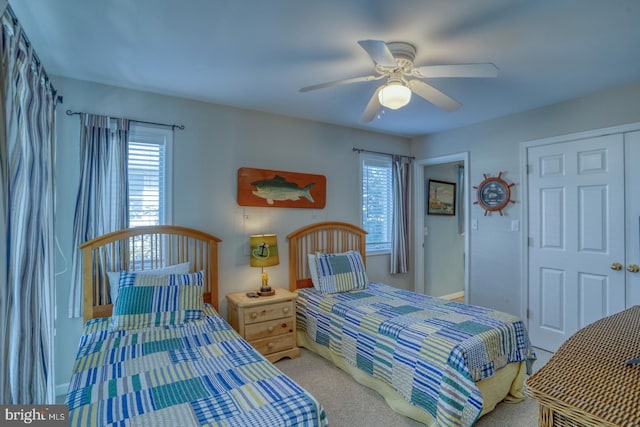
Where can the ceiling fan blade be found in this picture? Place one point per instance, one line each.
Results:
(433, 95)
(379, 52)
(461, 70)
(340, 82)
(372, 107)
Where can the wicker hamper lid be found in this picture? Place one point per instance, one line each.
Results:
(588, 378)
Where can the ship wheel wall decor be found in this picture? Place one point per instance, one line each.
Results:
(494, 194)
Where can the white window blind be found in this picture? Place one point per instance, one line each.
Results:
(148, 170)
(377, 201)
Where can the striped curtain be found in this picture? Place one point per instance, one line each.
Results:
(27, 299)
(401, 176)
(101, 205)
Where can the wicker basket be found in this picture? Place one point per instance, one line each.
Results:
(587, 382)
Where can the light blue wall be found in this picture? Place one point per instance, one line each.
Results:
(494, 146)
(216, 142)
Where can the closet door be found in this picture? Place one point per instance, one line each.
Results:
(576, 236)
(632, 200)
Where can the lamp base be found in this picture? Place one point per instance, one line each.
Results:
(266, 293)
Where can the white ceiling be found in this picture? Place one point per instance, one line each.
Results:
(256, 54)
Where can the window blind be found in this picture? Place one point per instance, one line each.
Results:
(377, 201)
(146, 164)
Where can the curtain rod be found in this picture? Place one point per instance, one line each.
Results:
(173, 127)
(362, 150)
(28, 43)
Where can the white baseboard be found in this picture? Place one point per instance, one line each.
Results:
(454, 295)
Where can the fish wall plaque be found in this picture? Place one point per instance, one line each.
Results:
(279, 189)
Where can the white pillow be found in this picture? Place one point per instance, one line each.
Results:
(114, 276)
(313, 270)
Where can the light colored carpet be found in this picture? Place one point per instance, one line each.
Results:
(349, 404)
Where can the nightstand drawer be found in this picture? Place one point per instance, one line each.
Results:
(267, 323)
(268, 329)
(268, 312)
(274, 344)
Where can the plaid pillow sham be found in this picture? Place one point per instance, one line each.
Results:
(147, 300)
(341, 272)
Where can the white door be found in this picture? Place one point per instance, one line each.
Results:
(632, 202)
(576, 236)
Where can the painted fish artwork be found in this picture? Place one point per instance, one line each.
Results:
(278, 188)
(269, 188)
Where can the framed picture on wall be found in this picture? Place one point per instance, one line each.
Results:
(441, 198)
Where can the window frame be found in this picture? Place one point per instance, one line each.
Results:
(366, 159)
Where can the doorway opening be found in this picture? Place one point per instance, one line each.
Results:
(441, 248)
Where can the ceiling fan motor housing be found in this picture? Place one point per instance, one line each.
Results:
(402, 50)
(404, 54)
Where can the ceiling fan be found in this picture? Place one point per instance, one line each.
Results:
(394, 62)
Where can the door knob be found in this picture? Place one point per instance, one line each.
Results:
(616, 266)
(633, 268)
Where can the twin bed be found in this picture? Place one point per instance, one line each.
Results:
(437, 361)
(161, 355)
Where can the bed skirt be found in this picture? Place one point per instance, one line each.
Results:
(506, 385)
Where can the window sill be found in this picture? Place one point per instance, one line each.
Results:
(378, 252)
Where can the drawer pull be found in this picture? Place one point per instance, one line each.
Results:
(270, 329)
(271, 345)
(254, 315)
(286, 309)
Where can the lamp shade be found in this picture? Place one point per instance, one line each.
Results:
(394, 95)
(263, 250)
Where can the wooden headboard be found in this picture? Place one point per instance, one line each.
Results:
(326, 237)
(145, 248)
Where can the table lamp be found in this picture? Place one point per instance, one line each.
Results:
(264, 253)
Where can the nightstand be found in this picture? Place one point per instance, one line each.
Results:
(267, 323)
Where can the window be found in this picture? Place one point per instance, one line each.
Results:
(377, 201)
(149, 171)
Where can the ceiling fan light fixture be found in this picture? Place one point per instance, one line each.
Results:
(394, 95)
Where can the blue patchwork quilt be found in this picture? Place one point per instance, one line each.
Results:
(430, 350)
(198, 373)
